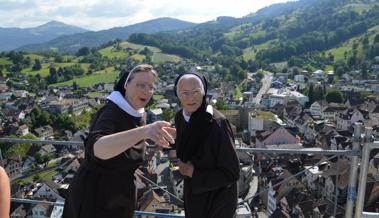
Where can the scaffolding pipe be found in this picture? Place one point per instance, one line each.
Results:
(363, 172)
(351, 190)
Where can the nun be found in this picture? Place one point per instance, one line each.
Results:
(206, 152)
(104, 186)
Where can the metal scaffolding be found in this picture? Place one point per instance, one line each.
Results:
(353, 199)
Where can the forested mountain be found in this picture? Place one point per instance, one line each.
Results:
(12, 38)
(73, 43)
(276, 33)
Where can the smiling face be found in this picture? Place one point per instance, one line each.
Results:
(139, 89)
(190, 94)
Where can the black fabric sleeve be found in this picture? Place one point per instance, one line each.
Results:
(227, 168)
(105, 124)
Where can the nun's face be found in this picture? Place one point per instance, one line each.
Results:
(140, 89)
(190, 94)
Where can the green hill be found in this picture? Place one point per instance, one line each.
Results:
(298, 29)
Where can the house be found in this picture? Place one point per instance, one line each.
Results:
(77, 106)
(58, 107)
(39, 211)
(20, 93)
(285, 188)
(44, 132)
(18, 210)
(299, 78)
(262, 121)
(178, 181)
(302, 99)
(243, 210)
(350, 116)
(5, 96)
(344, 121)
(317, 107)
(47, 149)
(3, 87)
(318, 74)
(331, 111)
(13, 166)
(28, 162)
(150, 201)
(275, 99)
(57, 211)
(279, 136)
(23, 130)
(48, 190)
(72, 167)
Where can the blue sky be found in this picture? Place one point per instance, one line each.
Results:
(105, 14)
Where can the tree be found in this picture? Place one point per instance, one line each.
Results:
(334, 96)
(83, 51)
(43, 159)
(53, 75)
(319, 94)
(221, 105)
(74, 85)
(168, 114)
(37, 65)
(37, 178)
(364, 71)
(311, 95)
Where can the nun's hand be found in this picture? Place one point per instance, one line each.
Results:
(186, 169)
(161, 133)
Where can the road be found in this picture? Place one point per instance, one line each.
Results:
(266, 84)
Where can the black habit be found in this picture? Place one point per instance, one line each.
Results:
(212, 190)
(105, 188)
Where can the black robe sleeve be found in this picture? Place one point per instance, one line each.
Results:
(227, 164)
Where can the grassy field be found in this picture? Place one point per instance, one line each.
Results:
(5, 61)
(108, 75)
(249, 53)
(44, 72)
(33, 57)
(45, 176)
(96, 94)
(158, 56)
(339, 52)
(113, 54)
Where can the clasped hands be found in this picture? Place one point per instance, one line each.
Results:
(186, 168)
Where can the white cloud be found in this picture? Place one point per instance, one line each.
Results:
(99, 14)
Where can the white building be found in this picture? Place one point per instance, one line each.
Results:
(302, 99)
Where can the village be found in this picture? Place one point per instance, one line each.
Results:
(271, 113)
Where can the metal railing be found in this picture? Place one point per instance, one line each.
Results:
(355, 153)
(61, 204)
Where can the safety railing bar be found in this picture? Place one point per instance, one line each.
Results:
(256, 150)
(299, 151)
(50, 203)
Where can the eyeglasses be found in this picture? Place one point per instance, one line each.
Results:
(146, 87)
(185, 94)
